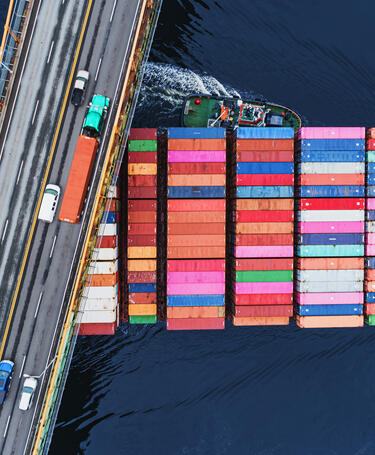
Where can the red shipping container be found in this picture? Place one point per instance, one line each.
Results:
(143, 134)
(142, 157)
(196, 168)
(264, 239)
(264, 179)
(141, 277)
(263, 299)
(332, 204)
(196, 265)
(353, 263)
(196, 205)
(112, 206)
(370, 144)
(273, 156)
(370, 308)
(370, 274)
(196, 228)
(141, 228)
(142, 240)
(107, 241)
(196, 217)
(254, 216)
(265, 144)
(195, 240)
(196, 144)
(371, 133)
(97, 328)
(264, 264)
(142, 298)
(141, 217)
(148, 206)
(331, 179)
(196, 324)
(255, 311)
(142, 180)
(145, 192)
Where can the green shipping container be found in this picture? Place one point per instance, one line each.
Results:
(371, 156)
(264, 276)
(370, 319)
(142, 319)
(143, 146)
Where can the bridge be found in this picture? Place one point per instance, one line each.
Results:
(43, 266)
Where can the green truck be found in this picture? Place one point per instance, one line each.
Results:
(94, 120)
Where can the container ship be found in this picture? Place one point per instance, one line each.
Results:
(243, 226)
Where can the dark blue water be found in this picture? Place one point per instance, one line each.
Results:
(251, 391)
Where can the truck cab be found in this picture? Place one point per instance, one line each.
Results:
(94, 120)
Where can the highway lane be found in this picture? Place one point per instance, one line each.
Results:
(35, 324)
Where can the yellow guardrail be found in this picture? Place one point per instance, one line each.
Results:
(6, 28)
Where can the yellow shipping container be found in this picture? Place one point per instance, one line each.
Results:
(139, 309)
(139, 265)
(138, 252)
(142, 169)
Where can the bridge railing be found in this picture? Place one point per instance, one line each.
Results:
(141, 47)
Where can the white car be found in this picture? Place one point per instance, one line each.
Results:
(28, 390)
(80, 87)
(49, 203)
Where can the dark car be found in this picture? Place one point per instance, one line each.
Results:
(80, 87)
(6, 372)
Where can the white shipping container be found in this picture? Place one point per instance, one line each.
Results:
(332, 168)
(331, 215)
(330, 275)
(103, 268)
(100, 292)
(98, 317)
(98, 304)
(370, 226)
(113, 192)
(105, 254)
(329, 286)
(107, 229)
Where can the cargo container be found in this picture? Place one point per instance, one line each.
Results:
(78, 179)
(270, 320)
(332, 133)
(196, 323)
(329, 321)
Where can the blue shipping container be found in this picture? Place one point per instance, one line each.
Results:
(193, 192)
(329, 156)
(142, 287)
(196, 300)
(371, 168)
(370, 191)
(370, 179)
(264, 191)
(370, 215)
(332, 144)
(265, 133)
(370, 263)
(329, 310)
(331, 239)
(331, 191)
(311, 251)
(265, 168)
(110, 217)
(196, 133)
(370, 297)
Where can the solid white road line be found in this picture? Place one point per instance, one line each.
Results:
(5, 230)
(97, 70)
(36, 108)
(6, 427)
(19, 173)
(53, 247)
(23, 364)
(113, 10)
(37, 307)
(50, 51)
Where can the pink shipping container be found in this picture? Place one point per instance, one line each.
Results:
(195, 288)
(196, 265)
(264, 288)
(328, 227)
(195, 277)
(370, 240)
(370, 250)
(370, 203)
(329, 298)
(332, 133)
(264, 251)
(196, 324)
(190, 156)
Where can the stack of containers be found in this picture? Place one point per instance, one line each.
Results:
(142, 226)
(262, 237)
(370, 229)
(100, 300)
(196, 228)
(330, 265)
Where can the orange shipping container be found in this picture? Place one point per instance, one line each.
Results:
(78, 180)
(265, 204)
(146, 252)
(191, 252)
(137, 298)
(260, 321)
(264, 228)
(330, 263)
(196, 240)
(142, 169)
(369, 286)
(331, 179)
(196, 228)
(142, 309)
(196, 180)
(265, 144)
(142, 217)
(370, 275)
(196, 217)
(145, 265)
(102, 280)
(196, 144)
(312, 322)
(196, 312)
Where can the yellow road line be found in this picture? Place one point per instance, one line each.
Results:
(20, 276)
